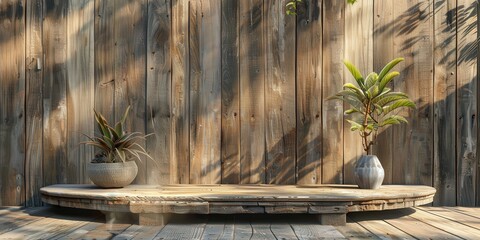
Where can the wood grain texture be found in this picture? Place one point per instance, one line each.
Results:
(332, 111)
(467, 113)
(444, 122)
(12, 105)
(309, 101)
(252, 91)
(104, 57)
(130, 68)
(416, 79)
(55, 92)
(80, 87)
(205, 92)
(280, 118)
(359, 51)
(180, 162)
(230, 92)
(158, 92)
(33, 103)
(383, 52)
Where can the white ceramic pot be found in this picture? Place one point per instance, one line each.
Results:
(112, 175)
(369, 172)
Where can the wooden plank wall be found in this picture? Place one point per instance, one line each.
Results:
(234, 91)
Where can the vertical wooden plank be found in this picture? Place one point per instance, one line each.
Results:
(333, 52)
(180, 164)
(130, 68)
(359, 51)
(55, 92)
(383, 52)
(413, 142)
(205, 92)
(12, 110)
(33, 111)
(309, 93)
(230, 93)
(80, 87)
(105, 58)
(159, 91)
(444, 102)
(252, 90)
(280, 119)
(466, 101)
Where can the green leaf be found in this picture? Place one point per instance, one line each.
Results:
(389, 97)
(349, 93)
(373, 91)
(371, 80)
(393, 120)
(388, 78)
(389, 67)
(355, 126)
(351, 110)
(398, 104)
(119, 129)
(355, 89)
(355, 73)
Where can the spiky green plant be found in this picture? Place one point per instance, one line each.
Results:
(114, 143)
(372, 104)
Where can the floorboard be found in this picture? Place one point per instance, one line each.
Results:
(415, 223)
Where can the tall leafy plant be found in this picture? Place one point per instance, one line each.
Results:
(373, 104)
(114, 143)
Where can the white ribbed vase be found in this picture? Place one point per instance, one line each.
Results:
(369, 172)
(112, 175)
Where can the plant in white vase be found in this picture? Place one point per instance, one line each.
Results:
(373, 105)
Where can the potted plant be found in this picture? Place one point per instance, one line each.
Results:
(114, 165)
(373, 106)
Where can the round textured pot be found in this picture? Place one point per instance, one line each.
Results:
(369, 172)
(112, 175)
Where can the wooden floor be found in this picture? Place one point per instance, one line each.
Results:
(416, 223)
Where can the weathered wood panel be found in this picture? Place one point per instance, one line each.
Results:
(158, 92)
(383, 52)
(205, 92)
(55, 92)
(180, 163)
(33, 104)
(104, 58)
(445, 73)
(333, 78)
(309, 93)
(416, 79)
(280, 118)
(359, 51)
(467, 123)
(230, 92)
(12, 108)
(130, 68)
(252, 91)
(80, 87)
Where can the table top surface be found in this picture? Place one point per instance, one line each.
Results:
(233, 192)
